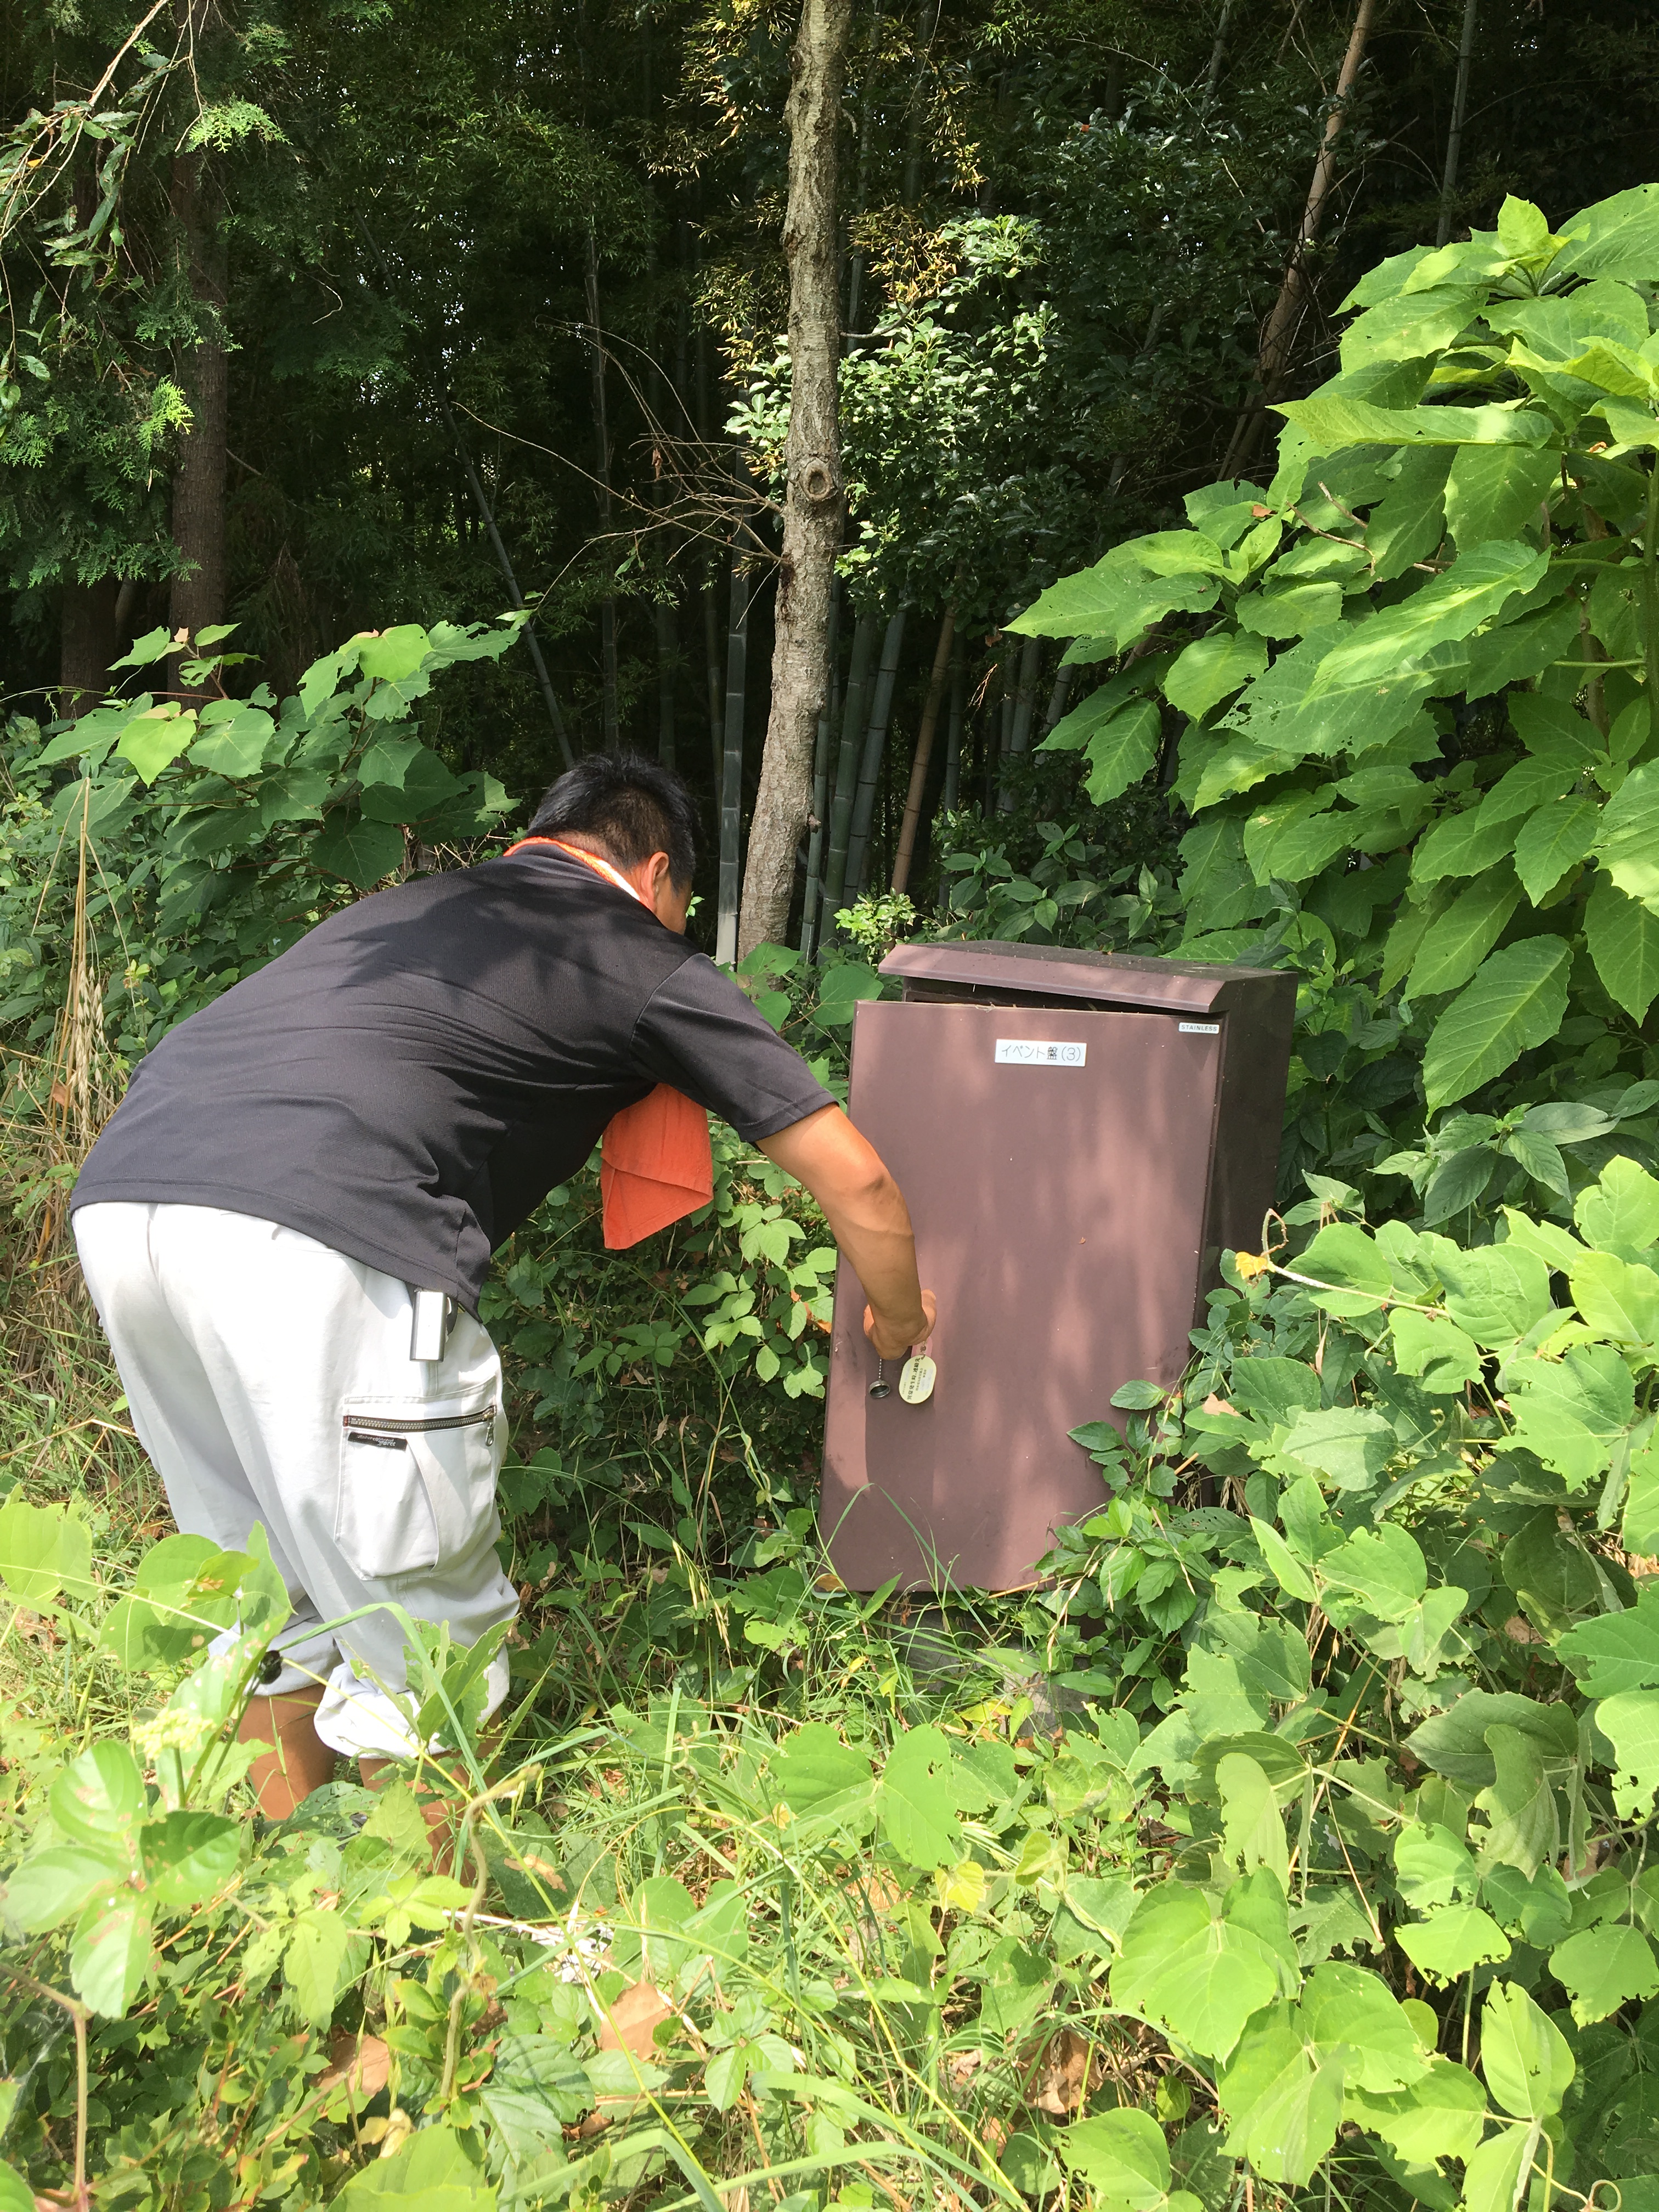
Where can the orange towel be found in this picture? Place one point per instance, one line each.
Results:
(656, 1164)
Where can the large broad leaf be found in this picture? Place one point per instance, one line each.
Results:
(99, 1798)
(1410, 327)
(1441, 2116)
(1116, 599)
(53, 1886)
(1192, 1971)
(1617, 237)
(188, 1857)
(1602, 1968)
(234, 744)
(1346, 1256)
(1350, 2005)
(1122, 749)
(1332, 420)
(44, 1549)
(1446, 609)
(1453, 1743)
(111, 1952)
(1628, 844)
(924, 1786)
(1526, 2059)
(1212, 669)
(1285, 2106)
(1407, 523)
(1573, 1411)
(1618, 1212)
(364, 852)
(1451, 1940)
(1517, 1001)
(1623, 936)
(1618, 1298)
(536, 2089)
(156, 736)
(1630, 1723)
(1496, 1292)
(1383, 1567)
(1350, 1444)
(1523, 1824)
(1123, 2156)
(816, 1773)
(1553, 840)
(1522, 647)
(431, 2173)
(1457, 941)
(1496, 491)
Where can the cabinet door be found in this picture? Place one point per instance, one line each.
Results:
(1059, 1202)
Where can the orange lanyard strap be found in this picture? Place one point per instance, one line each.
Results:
(575, 852)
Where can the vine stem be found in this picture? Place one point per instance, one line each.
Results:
(79, 2014)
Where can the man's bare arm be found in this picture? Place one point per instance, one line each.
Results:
(868, 1218)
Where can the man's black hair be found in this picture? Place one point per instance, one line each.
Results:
(630, 806)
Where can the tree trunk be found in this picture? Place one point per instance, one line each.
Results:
(602, 470)
(1455, 135)
(875, 740)
(818, 826)
(731, 785)
(1278, 338)
(668, 653)
(88, 639)
(847, 762)
(197, 593)
(814, 501)
(907, 843)
(711, 662)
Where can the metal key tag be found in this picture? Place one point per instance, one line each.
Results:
(916, 1379)
(881, 1386)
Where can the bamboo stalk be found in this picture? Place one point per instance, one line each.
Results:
(812, 898)
(1019, 721)
(1455, 135)
(952, 796)
(907, 842)
(847, 763)
(875, 740)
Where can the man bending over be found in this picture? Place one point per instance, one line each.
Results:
(286, 1226)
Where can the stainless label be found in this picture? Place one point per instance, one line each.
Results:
(1200, 1028)
(1031, 1052)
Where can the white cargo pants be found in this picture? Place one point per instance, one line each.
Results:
(269, 1380)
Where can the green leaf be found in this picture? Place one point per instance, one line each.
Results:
(1123, 2156)
(188, 1857)
(1466, 843)
(1620, 1650)
(815, 1772)
(1630, 1723)
(1332, 422)
(236, 745)
(154, 645)
(1455, 943)
(1292, 611)
(1349, 1257)
(395, 654)
(15, 2195)
(99, 1798)
(1448, 608)
(1411, 327)
(364, 852)
(1553, 840)
(433, 2172)
(1212, 669)
(1117, 598)
(1618, 1212)
(923, 1786)
(44, 1549)
(322, 1954)
(1185, 1967)
(1349, 1443)
(1432, 1866)
(53, 1884)
(1122, 751)
(536, 2089)
(156, 736)
(111, 1952)
(1618, 1298)
(1526, 2059)
(1523, 1829)
(1383, 1566)
(1453, 1743)
(1496, 1292)
(424, 786)
(1493, 2179)
(1015, 1982)
(1452, 1940)
(1572, 1411)
(1353, 2006)
(1285, 2108)
(1639, 1529)
(1429, 1346)
(1617, 237)
(1275, 1389)
(1496, 491)
(1253, 1832)
(1407, 523)
(1517, 1001)
(1627, 845)
(1441, 2116)
(1602, 1968)
(1291, 1577)
(1623, 936)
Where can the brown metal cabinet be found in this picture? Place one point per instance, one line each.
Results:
(1078, 1135)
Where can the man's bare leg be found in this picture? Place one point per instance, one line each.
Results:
(298, 1761)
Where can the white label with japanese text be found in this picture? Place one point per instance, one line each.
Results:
(1032, 1052)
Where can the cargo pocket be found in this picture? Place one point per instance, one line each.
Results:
(417, 1482)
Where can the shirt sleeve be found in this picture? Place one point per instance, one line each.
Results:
(700, 1033)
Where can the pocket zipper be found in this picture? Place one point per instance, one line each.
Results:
(383, 1425)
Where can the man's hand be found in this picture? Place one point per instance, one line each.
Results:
(888, 1348)
(868, 1219)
